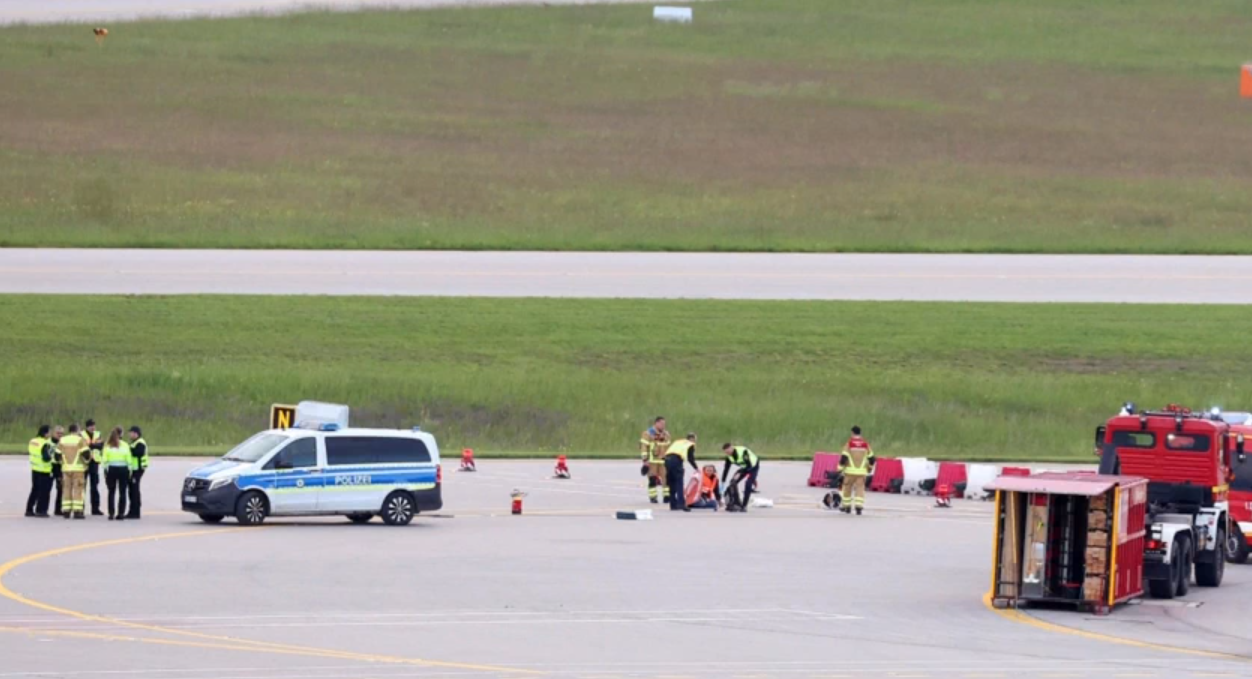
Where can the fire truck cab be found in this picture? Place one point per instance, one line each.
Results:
(1188, 460)
(1241, 502)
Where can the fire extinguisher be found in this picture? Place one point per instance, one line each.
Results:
(517, 496)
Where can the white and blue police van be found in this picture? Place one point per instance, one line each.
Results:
(320, 470)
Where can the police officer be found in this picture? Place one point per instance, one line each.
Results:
(652, 445)
(96, 442)
(57, 479)
(856, 463)
(749, 466)
(117, 472)
(678, 452)
(138, 465)
(40, 451)
(74, 455)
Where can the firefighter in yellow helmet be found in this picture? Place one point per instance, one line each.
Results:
(653, 443)
(856, 463)
(75, 454)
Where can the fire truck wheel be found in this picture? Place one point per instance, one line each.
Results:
(1237, 549)
(1210, 574)
(1184, 571)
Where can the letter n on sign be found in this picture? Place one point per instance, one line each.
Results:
(282, 416)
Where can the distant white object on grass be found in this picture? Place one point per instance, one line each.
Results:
(762, 502)
(680, 15)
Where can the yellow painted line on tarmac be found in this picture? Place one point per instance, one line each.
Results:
(1019, 617)
(218, 641)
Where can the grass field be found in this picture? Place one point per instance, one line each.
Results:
(585, 377)
(953, 125)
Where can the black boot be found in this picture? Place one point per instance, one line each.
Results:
(858, 511)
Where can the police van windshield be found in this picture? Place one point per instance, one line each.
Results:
(255, 448)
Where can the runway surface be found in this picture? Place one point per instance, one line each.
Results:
(564, 591)
(53, 11)
(989, 278)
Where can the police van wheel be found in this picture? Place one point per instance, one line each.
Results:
(252, 509)
(360, 518)
(211, 518)
(398, 509)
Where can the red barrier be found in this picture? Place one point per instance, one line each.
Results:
(950, 474)
(822, 463)
(886, 470)
(1015, 471)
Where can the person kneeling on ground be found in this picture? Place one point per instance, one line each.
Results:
(710, 496)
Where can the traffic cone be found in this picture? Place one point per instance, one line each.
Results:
(1245, 82)
(467, 461)
(562, 469)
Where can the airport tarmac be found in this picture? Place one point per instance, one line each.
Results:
(565, 590)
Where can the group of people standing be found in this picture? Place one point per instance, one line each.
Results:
(664, 464)
(70, 461)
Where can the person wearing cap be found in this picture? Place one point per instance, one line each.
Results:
(40, 451)
(678, 452)
(138, 465)
(96, 443)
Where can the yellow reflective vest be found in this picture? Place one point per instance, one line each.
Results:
(36, 449)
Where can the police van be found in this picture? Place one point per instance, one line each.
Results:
(319, 471)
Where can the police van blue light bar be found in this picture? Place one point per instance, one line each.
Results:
(329, 427)
(417, 428)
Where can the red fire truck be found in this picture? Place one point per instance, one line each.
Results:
(1241, 503)
(1188, 460)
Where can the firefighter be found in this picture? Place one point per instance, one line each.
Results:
(74, 455)
(652, 446)
(117, 472)
(57, 480)
(40, 451)
(96, 442)
(138, 465)
(749, 465)
(675, 455)
(856, 463)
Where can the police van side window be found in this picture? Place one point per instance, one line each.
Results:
(298, 454)
(365, 450)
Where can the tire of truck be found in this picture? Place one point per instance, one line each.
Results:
(1184, 572)
(1210, 574)
(1237, 548)
(1168, 587)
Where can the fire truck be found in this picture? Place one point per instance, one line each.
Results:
(1189, 461)
(1240, 495)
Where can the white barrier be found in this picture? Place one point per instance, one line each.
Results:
(977, 476)
(916, 470)
(680, 15)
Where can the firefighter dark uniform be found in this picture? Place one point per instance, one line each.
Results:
(678, 452)
(652, 446)
(856, 463)
(96, 442)
(138, 465)
(117, 477)
(749, 465)
(40, 452)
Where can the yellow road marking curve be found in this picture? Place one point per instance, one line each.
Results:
(219, 641)
(1022, 618)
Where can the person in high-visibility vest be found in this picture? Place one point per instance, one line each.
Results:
(40, 451)
(138, 465)
(653, 443)
(96, 443)
(74, 455)
(117, 472)
(749, 465)
(683, 450)
(856, 463)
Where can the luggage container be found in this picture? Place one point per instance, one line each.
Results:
(1068, 539)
